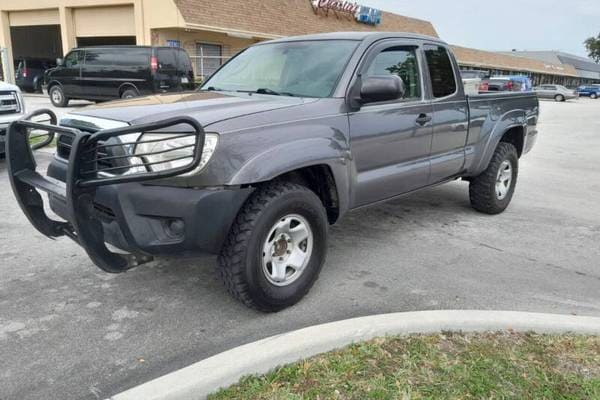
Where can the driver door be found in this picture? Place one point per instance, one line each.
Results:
(391, 141)
(69, 75)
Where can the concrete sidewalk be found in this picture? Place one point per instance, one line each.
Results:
(205, 377)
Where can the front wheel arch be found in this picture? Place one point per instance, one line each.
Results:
(321, 181)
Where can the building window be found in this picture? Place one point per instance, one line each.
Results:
(209, 58)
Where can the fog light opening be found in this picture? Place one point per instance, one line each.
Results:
(175, 228)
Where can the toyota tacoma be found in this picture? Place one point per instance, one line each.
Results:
(278, 144)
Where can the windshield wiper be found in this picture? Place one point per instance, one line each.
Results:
(268, 91)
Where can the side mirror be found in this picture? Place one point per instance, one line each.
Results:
(60, 62)
(382, 88)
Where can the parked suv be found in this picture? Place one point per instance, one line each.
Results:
(103, 73)
(589, 91)
(475, 81)
(29, 73)
(557, 92)
(510, 84)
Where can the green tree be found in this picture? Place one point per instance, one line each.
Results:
(593, 47)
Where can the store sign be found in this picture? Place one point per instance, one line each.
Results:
(555, 67)
(365, 15)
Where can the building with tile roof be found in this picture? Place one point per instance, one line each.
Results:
(213, 31)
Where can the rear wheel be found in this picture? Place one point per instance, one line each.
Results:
(57, 96)
(594, 96)
(559, 98)
(492, 191)
(129, 94)
(275, 248)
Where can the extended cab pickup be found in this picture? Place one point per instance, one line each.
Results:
(282, 141)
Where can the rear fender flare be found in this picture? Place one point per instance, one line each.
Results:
(512, 119)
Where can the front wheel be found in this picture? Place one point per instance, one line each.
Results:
(275, 248)
(492, 191)
(57, 96)
(594, 96)
(559, 98)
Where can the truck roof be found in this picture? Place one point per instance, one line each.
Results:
(359, 36)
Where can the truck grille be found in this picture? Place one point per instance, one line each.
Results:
(63, 150)
(9, 102)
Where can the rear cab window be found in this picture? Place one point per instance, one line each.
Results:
(166, 59)
(184, 63)
(441, 71)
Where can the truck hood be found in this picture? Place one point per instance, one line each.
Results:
(206, 107)
(8, 87)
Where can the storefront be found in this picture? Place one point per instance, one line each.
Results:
(213, 31)
(504, 64)
(191, 24)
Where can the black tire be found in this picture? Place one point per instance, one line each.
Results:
(594, 96)
(559, 98)
(129, 94)
(482, 189)
(57, 96)
(240, 263)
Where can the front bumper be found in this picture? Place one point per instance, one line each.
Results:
(101, 207)
(4, 123)
(160, 220)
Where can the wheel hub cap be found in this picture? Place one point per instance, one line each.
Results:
(504, 180)
(287, 250)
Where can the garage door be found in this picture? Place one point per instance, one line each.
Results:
(104, 21)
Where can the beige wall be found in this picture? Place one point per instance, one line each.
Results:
(88, 18)
(189, 38)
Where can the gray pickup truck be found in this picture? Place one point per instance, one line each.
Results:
(281, 142)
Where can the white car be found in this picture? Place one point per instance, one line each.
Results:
(12, 107)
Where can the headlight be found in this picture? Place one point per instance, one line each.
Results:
(21, 102)
(162, 153)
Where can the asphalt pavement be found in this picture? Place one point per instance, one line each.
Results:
(70, 331)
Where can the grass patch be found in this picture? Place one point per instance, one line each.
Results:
(444, 366)
(39, 138)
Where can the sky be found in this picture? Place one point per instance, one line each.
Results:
(507, 24)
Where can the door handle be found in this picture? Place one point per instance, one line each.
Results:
(423, 119)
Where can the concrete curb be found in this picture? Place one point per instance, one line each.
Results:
(205, 377)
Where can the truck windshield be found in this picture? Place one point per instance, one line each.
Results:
(299, 68)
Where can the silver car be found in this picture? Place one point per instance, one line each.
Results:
(557, 92)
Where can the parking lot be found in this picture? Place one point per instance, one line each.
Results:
(70, 331)
(37, 101)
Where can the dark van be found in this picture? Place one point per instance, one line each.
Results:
(104, 73)
(29, 73)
